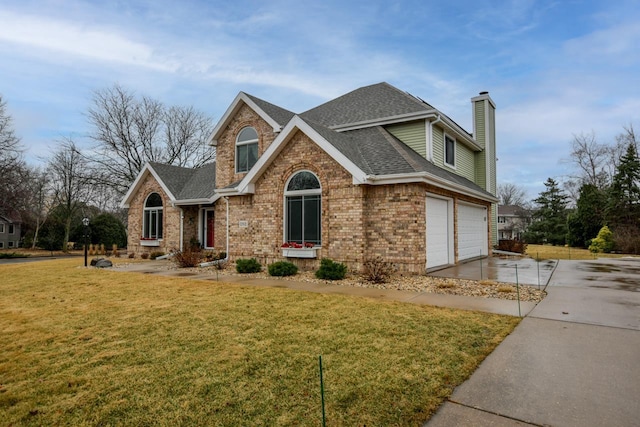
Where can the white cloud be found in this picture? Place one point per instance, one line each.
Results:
(56, 37)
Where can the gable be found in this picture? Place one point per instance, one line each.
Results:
(178, 184)
(276, 117)
(140, 182)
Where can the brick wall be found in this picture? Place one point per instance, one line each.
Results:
(170, 222)
(225, 150)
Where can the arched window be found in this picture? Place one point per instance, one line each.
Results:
(152, 217)
(246, 149)
(303, 200)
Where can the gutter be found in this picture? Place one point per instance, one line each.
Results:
(428, 178)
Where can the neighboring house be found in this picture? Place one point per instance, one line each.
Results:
(375, 172)
(9, 232)
(512, 222)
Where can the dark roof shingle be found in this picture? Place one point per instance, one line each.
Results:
(188, 183)
(366, 104)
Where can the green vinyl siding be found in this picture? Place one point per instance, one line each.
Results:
(465, 157)
(492, 135)
(465, 162)
(438, 146)
(481, 158)
(413, 134)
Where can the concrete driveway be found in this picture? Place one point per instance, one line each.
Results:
(573, 361)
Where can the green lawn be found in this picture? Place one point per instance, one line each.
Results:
(97, 347)
(565, 252)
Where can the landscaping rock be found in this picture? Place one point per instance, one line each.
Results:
(101, 263)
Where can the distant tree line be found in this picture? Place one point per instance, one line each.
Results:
(126, 131)
(604, 191)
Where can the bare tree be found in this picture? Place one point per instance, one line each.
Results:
(591, 159)
(10, 148)
(12, 165)
(186, 136)
(39, 202)
(617, 150)
(511, 194)
(70, 184)
(130, 131)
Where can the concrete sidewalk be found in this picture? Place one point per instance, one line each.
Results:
(488, 305)
(574, 361)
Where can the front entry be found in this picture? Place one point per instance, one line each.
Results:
(209, 229)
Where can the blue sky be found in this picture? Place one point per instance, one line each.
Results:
(554, 68)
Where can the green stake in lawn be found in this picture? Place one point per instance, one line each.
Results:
(538, 263)
(321, 390)
(518, 290)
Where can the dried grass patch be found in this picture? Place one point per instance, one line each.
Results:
(98, 347)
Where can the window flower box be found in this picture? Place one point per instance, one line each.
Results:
(297, 250)
(149, 242)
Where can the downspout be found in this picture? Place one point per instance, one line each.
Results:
(181, 229)
(226, 199)
(226, 258)
(430, 154)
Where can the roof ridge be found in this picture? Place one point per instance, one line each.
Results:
(411, 96)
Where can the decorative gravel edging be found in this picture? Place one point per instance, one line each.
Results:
(414, 283)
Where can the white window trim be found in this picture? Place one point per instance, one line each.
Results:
(1, 245)
(314, 192)
(241, 143)
(1, 228)
(444, 151)
(11, 245)
(203, 226)
(145, 209)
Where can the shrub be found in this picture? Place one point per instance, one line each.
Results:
(250, 265)
(512, 246)
(132, 255)
(627, 239)
(330, 270)
(108, 229)
(282, 268)
(144, 255)
(156, 254)
(602, 243)
(377, 270)
(189, 257)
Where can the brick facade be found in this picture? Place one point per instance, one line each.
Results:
(225, 150)
(359, 222)
(170, 221)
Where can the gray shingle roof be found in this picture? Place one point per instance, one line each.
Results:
(367, 103)
(188, 183)
(279, 114)
(377, 152)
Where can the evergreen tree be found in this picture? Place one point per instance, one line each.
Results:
(550, 218)
(585, 222)
(623, 207)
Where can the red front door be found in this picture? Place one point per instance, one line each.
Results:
(210, 230)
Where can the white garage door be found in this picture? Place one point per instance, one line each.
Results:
(438, 232)
(472, 231)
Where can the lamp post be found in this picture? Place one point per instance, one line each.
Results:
(85, 222)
